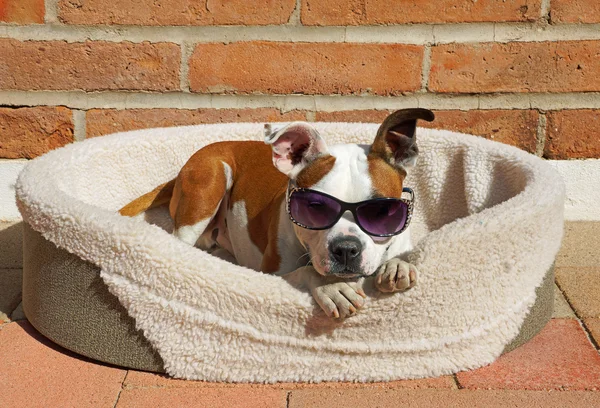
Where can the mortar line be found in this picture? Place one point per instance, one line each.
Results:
(579, 318)
(184, 70)
(118, 397)
(82, 100)
(51, 11)
(456, 382)
(415, 34)
(545, 9)
(79, 125)
(295, 17)
(121, 390)
(123, 386)
(426, 68)
(588, 333)
(541, 135)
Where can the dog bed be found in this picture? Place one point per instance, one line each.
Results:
(487, 226)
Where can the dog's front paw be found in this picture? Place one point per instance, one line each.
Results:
(341, 299)
(396, 276)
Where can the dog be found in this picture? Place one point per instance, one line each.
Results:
(323, 216)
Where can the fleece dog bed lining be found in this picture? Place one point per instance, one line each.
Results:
(488, 224)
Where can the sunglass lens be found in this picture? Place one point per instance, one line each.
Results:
(313, 210)
(382, 217)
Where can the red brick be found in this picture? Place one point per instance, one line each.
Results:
(567, 66)
(359, 116)
(26, 133)
(90, 66)
(242, 397)
(308, 68)
(137, 379)
(560, 357)
(575, 11)
(22, 11)
(573, 134)
(514, 127)
(353, 12)
(36, 372)
(442, 398)
(104, 121)
(175, 12)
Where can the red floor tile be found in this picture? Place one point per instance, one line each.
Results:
(138, 379)
(36, 373)
(560, 357)
(377, 398)
(242, 397)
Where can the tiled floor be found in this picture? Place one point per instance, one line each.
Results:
(559, 368)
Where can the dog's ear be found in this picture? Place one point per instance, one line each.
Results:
(396, 141)
(294, 146)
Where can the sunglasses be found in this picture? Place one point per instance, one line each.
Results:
(379, 217)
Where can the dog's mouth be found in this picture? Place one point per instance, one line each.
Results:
(345, 272)
(348, 274)
(337, 270)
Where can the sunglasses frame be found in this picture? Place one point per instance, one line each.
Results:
(352, 208)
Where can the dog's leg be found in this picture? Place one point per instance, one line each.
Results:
(396, 275)
(190, 234)
(339, 298)
(224, 254)
(197, 198)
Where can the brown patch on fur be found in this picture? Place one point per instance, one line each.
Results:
(201, 185)
(386, 179)
(271, 258)
(312, 174)
(381, 148)
(160, 195)
(262, 188)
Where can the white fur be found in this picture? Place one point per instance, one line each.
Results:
(350, 181)
(228, 176)
(244, 249)
(484, 241)
(191, 233)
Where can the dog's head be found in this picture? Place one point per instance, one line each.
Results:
(346, 174)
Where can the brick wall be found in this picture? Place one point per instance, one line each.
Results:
(523, 72)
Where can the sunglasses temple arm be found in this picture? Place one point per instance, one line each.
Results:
(409, 191)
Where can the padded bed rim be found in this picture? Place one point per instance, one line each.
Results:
(65, 299)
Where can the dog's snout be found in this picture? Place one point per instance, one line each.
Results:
(345, 250)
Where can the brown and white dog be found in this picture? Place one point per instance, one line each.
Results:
(231, 198)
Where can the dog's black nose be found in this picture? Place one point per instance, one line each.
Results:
(345, 250)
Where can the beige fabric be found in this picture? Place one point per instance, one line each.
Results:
(488, 224)
(539, 314)
(66, 301)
